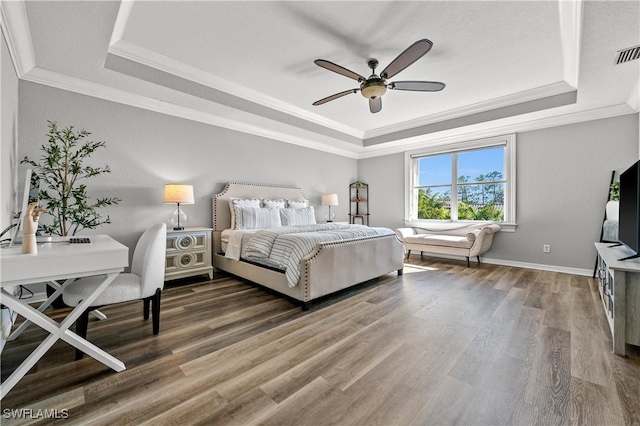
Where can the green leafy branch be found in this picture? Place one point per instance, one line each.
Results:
(62, 170)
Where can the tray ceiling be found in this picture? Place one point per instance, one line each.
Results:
(249, 65)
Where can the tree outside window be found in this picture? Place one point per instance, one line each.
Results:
(478, 193)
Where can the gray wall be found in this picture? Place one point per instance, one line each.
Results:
(562, 181)
(145, 150)
(8, 135)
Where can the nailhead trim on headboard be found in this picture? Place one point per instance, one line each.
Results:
(228, 187)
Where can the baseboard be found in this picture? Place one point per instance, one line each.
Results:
(539, 266)
(527, 265)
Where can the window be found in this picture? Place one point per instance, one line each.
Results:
(463, 182)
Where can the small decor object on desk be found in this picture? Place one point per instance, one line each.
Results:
(330, 200)
(29, 245)
(178, 194)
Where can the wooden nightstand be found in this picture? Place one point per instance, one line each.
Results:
(188, 253)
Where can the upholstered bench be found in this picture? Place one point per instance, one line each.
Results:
(458, 240)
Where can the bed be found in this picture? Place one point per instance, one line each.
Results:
(330, 266)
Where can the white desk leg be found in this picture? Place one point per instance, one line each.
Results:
(58, 331)
(22, 327)
(26, 365)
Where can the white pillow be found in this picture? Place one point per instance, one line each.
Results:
(300, 216)
(297, 204)
(257, 218)
(281, 204)
(242, 202)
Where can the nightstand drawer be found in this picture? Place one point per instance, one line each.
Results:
(186, 261)
(182, 242)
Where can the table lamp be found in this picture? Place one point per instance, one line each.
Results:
(330, 200)
(178, 194)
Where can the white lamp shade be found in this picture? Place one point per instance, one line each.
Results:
(174, 193)
(330, 200)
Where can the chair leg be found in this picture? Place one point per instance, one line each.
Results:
(478, 257)
(155, 306)
(82, 323)
(145, 307)
(408, 253)
(468, 262)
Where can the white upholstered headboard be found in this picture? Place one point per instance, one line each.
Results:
(221, 211)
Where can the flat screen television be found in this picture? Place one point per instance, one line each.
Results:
(629, 219)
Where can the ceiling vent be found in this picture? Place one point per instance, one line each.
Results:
(626, 55)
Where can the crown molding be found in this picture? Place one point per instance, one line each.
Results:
(571, 38)
(524, 123)
(89, 88)
(542, 92)
(120, 47)
(15, 27)
(317, 142)
(145, 57)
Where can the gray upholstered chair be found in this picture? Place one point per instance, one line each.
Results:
(145, 282)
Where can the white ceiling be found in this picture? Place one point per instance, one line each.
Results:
(508, 65)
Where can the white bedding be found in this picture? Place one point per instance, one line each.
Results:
(285, 246)
(231, 242)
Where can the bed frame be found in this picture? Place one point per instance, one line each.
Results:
(328, 269)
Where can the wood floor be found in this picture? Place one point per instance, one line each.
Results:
(442, 344)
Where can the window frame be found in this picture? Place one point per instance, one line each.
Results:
(412, 170)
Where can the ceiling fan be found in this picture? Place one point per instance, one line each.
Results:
(375, 86)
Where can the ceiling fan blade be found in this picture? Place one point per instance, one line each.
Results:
(375, 104)
(338, 69)
(418, 86)
(336, 96)
(406, 58)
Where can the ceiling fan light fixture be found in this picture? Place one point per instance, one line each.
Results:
(373, 88)
(376, 85)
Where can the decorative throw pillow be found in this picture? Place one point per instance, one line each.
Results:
(281, 204)
(257, 218)
(300, 216)
(297, 204)
(242, 202)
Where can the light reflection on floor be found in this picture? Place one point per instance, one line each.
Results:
(412, 269)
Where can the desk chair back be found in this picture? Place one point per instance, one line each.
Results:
(148, 259)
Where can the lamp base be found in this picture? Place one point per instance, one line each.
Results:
(178, 219)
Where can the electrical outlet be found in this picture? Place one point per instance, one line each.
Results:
(546, 248)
